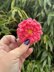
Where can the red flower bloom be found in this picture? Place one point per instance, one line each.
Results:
(29, 29)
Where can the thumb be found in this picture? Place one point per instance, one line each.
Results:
(20, 50)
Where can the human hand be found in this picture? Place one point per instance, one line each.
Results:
(9, 42)
(12, 60)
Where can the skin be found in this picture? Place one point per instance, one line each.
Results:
(12, 56)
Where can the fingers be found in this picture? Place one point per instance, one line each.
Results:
(18, 42)
(26, 54)
(20, 50)
(15, 44)
(8, 39)
(4, 47)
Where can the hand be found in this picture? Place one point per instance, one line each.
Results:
(9, 42)
(11, 59)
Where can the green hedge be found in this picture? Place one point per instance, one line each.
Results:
(14, 11)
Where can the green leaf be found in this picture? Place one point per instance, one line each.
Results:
(50, 15)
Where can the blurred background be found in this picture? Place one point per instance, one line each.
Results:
(14, 11)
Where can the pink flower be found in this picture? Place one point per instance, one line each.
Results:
(29, 29)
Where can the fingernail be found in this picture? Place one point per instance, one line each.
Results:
(27, 42)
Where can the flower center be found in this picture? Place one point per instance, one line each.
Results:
(30, 31)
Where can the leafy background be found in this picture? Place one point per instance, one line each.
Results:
(14, 11)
